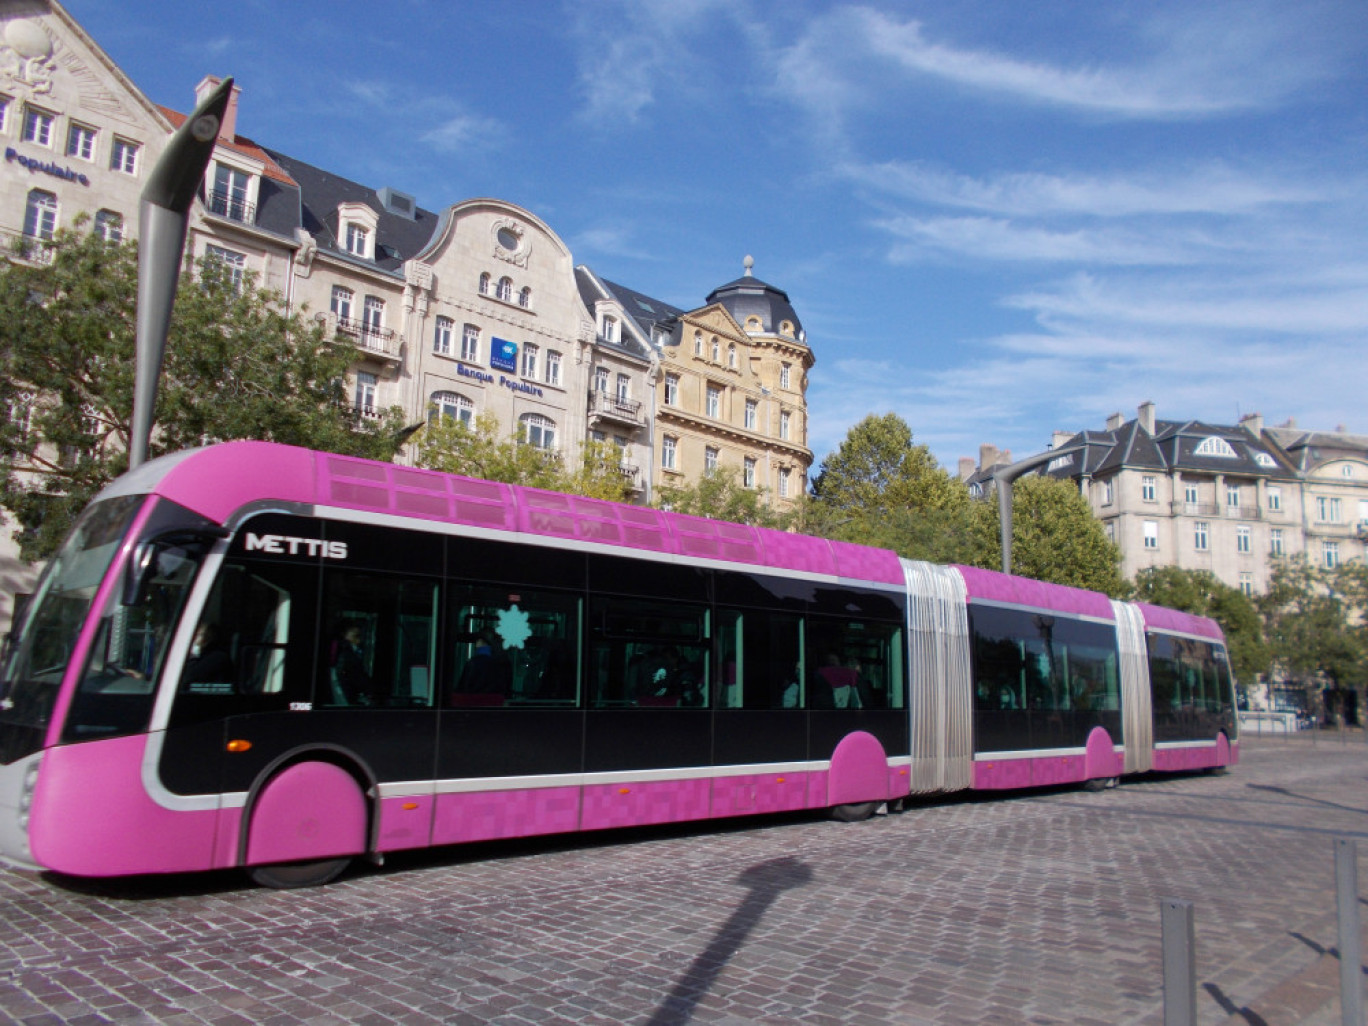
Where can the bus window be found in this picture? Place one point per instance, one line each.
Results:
(513, 646)
(854, 665)
(760, 660)
(379, 643)
(648, 654)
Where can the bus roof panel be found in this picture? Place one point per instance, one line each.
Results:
(1159, 618)
(990, 586)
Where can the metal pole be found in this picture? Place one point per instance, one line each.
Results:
(1350, 949)
(1180, 962)
(1003, 478)
(162, 220)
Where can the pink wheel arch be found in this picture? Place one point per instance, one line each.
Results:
(311, 810)
(1103, 760)
(859, 771)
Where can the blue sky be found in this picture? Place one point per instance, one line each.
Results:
(994, 219)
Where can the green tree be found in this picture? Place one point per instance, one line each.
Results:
(881, 488)
(484, 450)
(1202, 593)
(237, 365)
(1055, 537)
(720, 495)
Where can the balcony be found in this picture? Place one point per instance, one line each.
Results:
(1244, 512)
(378, 343)
(632, 474)
(609, 409)
(27, 248)
(225, 204)
(1196, 509)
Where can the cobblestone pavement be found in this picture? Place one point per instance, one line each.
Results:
(1041, 908)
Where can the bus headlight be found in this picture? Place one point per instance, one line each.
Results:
(26, 793)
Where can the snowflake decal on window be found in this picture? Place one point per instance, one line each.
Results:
(514, 627)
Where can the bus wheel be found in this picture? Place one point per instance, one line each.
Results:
(1099, 783)
(287, 875)
(853, 812)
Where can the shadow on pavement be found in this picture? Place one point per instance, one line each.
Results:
(765, 881)
(1306, 798)
(1228, 1006)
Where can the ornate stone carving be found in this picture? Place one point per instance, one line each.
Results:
(510, 240)
(26, 58)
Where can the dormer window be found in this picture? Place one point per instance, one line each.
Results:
(786, 328)
(610, 329)
(1265, 460)
(1219, 447)
(356, 227)
(753, 324)
(231, 196)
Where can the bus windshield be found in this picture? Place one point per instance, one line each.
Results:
(60, 606)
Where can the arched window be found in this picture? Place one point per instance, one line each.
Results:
(1214, 446)
(484, 284)
(698, 343)
(451, 406)
(40, 215)
(716, 350)
(786, 328)
(109, 226)
(752, 323)
(537, 431)
(525, 297)
(505, 290)
(731, 356)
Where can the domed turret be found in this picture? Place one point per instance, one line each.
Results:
(758, 306)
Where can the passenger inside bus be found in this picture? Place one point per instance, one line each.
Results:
(351, 679)
(210, 661)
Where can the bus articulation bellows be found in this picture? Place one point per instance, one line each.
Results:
(255, 655)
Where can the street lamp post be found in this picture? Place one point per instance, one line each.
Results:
(162, 219)
(1004, 478)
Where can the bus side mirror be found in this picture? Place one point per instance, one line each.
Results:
(139, 573)
(143, 566)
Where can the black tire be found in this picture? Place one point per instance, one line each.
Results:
(853, 812)
(289, 875)
(1099, 783)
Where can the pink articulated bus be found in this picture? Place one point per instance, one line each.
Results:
(252, 655)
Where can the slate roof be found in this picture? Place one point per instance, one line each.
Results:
(748, 296)
(646, 313)
(1306, 450)
(397, 238)
(1173, 447)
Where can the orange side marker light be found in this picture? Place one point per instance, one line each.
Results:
(239, 745)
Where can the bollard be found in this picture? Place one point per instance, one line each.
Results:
(1180, 962)
(1350, 949)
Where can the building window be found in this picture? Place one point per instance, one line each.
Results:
(553, 368)
(1200, 535)
(610, 329)
(785, 376)
(1327, 509)
(229, 197)
(450, 406)
(484, 284)
(624, 388)
(752, 414)
(1148, 488)
(232, 265)
(784, 420)
(1347, 470)
(783, 482)
(1246, 584)
(1275, 541)
(1190, 494)
(4, 113)
(342, 302)
(1274, 497)
(525, 297)
(748, 472)
(80, 142)
(1214, 446)
(671, 388)
(669, 446)
(38, 126)
(538, 431)
(529, 360)
(601, 381)
(505, 291)
(441, 336)
(1111, 531)
(1151, 533)
(716, 350)
(714, 401)
(373, 316)
(1108, 493)
(1242, 540)
(470, 344)
(1232, 495)
(109, 226)
(731, 356)
(1331, 554)
(709, 460)
(40, 214)
(365, 392)
(124, 157)
(357, 240)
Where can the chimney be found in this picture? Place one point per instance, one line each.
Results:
(988, 456)
(1115, 421)
(228, 129)
(966, 468)
(1145, 413)
(1005, 460)
(1060, 439)
(1253, 423)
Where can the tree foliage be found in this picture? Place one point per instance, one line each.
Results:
(1311, 617)
(484, 450)
(237, 365)
(1055, 537)
(719, 495)
(1202, 593)
(881, 488)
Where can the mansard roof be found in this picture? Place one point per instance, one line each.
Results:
(1309, 449)
(636, 308)
(1186, 446)
(748, 297)
(397, 238)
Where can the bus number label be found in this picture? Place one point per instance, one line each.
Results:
(283, 544)
(301, 707)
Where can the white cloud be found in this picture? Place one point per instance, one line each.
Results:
(463, 132)
(984, 238)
